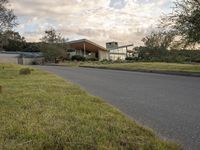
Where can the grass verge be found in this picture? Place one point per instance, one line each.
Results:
(42, 111)
(149, 66)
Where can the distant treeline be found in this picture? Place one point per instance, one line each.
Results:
(163, 55)
(22, 46)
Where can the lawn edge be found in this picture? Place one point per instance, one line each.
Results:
(138, 123)
(177, 73)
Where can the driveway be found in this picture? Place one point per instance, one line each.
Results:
(168, 104)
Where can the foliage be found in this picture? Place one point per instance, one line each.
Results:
(25, 71)
(12, 41)
(163, 55)
(51, 36)
(159, 39)
(52, 52)
(34, 63)
(132, 58)
(31, 47)
(92, 59)
(185, 21)
(7, 17)
(43, 111)
(78, 58)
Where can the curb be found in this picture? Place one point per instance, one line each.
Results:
(149, 71)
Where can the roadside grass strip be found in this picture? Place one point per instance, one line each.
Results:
(42, 111)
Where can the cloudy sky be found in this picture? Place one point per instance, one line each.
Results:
(125, 21)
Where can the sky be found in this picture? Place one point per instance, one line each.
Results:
(101, 21)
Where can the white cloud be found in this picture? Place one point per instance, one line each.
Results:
(103, 20)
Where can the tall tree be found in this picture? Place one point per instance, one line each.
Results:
(185, 21)
(159, 39)
(51, 36)
(13, 41)
(7, 17)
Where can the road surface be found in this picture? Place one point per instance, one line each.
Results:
(168, 104)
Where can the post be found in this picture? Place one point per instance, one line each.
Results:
(126, 51)
(84, 53)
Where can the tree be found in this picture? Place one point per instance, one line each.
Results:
(13, 41)
(52, 37)
(52, 52)
(185, 21)
(7, 17)
(159, 39)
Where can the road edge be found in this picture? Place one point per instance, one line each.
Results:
(149, 71)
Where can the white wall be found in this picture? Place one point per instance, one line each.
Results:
(103, 55)
(29, 61)
(8, 59)
(117, 56)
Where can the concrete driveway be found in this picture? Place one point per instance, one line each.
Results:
(168, 104)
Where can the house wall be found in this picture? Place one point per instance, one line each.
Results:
(103, 55)
(9, 59)
(16, 59)
(117, 56)
(29, 61)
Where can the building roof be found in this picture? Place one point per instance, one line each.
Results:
(24, 54)
(125, 46)
(9, 55)
(79, 44)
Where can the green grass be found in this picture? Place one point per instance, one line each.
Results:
(172, 67)
(42, 111)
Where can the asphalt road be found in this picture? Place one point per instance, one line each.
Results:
(168, 104)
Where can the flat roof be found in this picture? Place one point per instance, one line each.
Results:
(19, 53)
(124, 46)
(9, 55)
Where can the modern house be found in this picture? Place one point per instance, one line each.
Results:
(120, 52)
(22, 58)
(87, 49)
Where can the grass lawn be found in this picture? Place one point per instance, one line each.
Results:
(43, 111)
(149, 66)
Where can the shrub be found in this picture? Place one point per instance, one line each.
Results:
(25, 71)
(129, 58)
(162, 55)
(92, 59)
(118, 61)
(34, 63)
(105, 60)
(52, 52)
(78, 58)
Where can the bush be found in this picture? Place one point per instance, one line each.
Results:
(130, 59)
(78, 58)
(92, 59)
(25, 71)
(52, 52)
(163, 55)
(118, 61)
(106, 61)
(34, 63)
